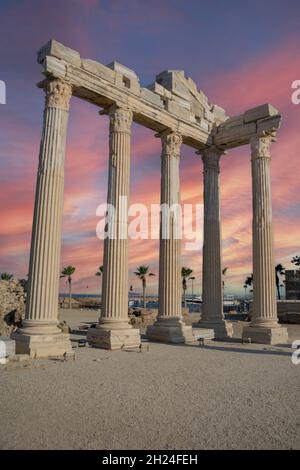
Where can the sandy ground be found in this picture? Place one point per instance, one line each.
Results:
(222, 395)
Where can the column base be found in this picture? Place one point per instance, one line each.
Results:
(42, 346)
(223, 329)
(265, 335)
(170, 330)
(113, 338)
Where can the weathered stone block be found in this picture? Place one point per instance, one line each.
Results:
(7, 348)
(56, 49)
(173, 81)
(261, 335)
(113, 338)
(222, 329)
(130, 83)
(235, 134)
(159, 90)
(205, 333)
(52, 63)
(12, 305)
(152, 97)
(268, 125)
(197, 108)
(170, 334)
(260, 112)
(183, 103)
(39, 346)
(232, 122)
(219, 113)
(99, 70)
(174, 107)
(123, 70)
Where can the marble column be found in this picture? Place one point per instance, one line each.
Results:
(40, 335)
(264, 327)
(114, 330)
(212, 286)
(169, 326)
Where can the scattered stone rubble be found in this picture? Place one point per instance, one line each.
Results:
(12, 305)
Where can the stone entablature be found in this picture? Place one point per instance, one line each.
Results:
(180, 113)
(173, 101)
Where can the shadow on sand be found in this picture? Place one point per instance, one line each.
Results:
(237, 346)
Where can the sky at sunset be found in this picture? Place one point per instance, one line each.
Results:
(241, 54)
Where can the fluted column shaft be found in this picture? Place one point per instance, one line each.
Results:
(42, 300)
(212, 292)
(264, 294)
(114, 312)
(170, 228)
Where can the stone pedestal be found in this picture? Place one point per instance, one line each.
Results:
(114, 330)
(264, 326)
(106, 337)
(169, 326)
(222, 329)
(40, 335)
(276, 334)
(170, 330)
(43, 345)
(212, 316)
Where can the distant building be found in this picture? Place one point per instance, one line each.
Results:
(230, 297)
(292, 284)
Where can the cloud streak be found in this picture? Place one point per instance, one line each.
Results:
(255, 79)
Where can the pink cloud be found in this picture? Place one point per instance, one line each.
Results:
(255, 82)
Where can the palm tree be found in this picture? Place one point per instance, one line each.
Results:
(142, 272)
(296, 261)
(67, 271)
(249, 281)
(279, 271)
(6, 277)
(245, 287)
(100, 271)
(224, 271)
(185, 273)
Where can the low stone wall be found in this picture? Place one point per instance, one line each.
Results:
(64, 303)
(288, 311)
(12, 306)
(142, 316)
(147, 316)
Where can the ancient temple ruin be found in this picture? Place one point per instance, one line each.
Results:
(179, 113)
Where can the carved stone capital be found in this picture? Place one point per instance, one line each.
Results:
(58, 94)
(211, 158)
(120, 119)
(261, 147)
(171, 143)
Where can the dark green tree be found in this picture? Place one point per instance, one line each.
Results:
(67, 272)
(142, 272)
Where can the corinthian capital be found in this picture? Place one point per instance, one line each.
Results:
(120, 119)
(261, 147)
(211, 158)
(58, 94)
(171, 143)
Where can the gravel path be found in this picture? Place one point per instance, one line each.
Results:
(223, 395)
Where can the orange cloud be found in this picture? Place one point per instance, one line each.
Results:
(257, 81)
